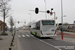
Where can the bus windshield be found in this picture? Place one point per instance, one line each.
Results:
(48, 22)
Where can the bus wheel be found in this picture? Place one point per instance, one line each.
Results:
(30, 32)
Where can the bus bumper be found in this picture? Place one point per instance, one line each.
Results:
(47, 35)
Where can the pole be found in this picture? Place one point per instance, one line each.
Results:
(62, 18)
(4, 20)
(45, 9)
(15, 26)
(30, 16)
(54, 15)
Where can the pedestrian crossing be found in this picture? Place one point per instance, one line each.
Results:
(25, 35)
(19, 36)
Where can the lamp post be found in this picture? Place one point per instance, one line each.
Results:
(30, 16)
(62, 18)
(54, 15)
(45, 9)
(24, 22)
(62, 13)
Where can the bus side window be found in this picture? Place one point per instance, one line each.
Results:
(38, 25)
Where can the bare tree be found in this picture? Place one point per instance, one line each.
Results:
(4, 10)
(11, 22)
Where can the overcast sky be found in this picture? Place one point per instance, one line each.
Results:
(20, 10)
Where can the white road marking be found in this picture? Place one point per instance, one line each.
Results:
(32, 35)
(23, 35)
(50, 44)
(59, 49)
(19, 36)
(27, 35)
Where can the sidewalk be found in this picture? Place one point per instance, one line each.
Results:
(66, 33)
(15, 43)
(67, 36)
(6, 42)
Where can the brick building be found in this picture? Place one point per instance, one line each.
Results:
(1, 25)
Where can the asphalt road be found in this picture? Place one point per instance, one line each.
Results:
(27, 41)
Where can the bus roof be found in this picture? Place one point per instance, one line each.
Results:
(43, 20)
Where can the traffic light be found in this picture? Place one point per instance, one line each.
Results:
(51, 13)
(51, 8)
(48, 11)
(36, 10)
(60, 23)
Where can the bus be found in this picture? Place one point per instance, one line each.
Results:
(43, 28)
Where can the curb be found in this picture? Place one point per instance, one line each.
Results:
(13, 45)
(59, 33)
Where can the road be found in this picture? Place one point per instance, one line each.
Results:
(27, 41)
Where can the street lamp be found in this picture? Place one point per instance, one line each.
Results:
(30, 16)
(62, 18)
(62, 13)
(45, 8)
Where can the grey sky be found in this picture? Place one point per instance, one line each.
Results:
(21, 9)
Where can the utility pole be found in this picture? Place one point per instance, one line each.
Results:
(45, 9)
(30, 16)
(62, 18)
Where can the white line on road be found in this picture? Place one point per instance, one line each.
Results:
(19, 36)
(27, 35)
(50, 44)
(23, 35)
(32, 35)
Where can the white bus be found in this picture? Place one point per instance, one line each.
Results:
(44, 28)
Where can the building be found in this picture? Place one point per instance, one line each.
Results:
(1, 25)
(69, 26)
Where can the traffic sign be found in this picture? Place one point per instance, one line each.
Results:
(51, 13)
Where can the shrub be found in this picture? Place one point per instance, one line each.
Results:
(4, 33)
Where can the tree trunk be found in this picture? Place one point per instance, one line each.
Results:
(4, 20)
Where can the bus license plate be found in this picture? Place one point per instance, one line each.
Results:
(48, 34)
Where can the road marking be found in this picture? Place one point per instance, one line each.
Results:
(27, 35)
(19, 36)
(23, 35)
(32, 35)
(50, 44)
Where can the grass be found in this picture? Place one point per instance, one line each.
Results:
(4, 33)
(1, 39)
(11, 45)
